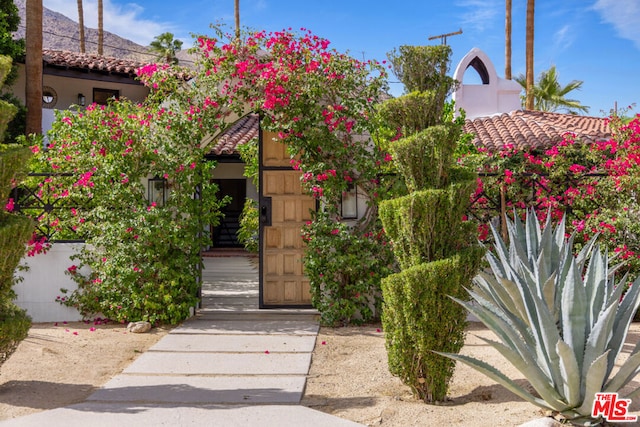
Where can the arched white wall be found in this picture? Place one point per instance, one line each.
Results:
(496, 96)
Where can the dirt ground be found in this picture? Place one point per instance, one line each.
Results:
(62, 364)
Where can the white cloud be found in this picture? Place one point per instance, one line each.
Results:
(563, 38)
(480, 14)
(123, 20)
(624, 15)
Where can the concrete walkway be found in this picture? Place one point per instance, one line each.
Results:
(230, 365)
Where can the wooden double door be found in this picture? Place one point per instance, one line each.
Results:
(284, 208)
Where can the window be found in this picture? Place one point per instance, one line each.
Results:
(350, 203)
(102, 96)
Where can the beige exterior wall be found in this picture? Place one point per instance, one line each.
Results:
(68, 88)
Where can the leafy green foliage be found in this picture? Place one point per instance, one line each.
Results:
(15, 231)
(431, 242)
(345, 270)
(166, 47)
(549, 95)
(414, 325)
(562, 319)
(14, 327)
(248, 234)
(142, 258)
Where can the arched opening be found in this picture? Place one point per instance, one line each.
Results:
(481, 75)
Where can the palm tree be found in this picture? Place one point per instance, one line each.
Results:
(81, 25)
(100, 29)
(531, 5)
(507, 40)
(237, 16)
(33, 66)
(166, 47)
(549, 95)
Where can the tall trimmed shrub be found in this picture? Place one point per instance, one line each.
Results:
(15, 231)
(433, 245)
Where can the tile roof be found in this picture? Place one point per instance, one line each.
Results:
(534, 129)
(90, 62)
(241, 132)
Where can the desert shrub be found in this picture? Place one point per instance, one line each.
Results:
(562, 319)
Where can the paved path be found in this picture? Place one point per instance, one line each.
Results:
(230, 365)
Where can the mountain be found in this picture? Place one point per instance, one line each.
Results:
(62, 33)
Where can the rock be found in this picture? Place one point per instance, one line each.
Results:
(542, 422)
(139, 327)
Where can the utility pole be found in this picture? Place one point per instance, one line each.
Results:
(443, 37)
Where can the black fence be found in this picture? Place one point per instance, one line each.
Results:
(37, 199)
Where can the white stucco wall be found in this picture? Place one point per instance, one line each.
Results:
(481, 100)
(42, 282)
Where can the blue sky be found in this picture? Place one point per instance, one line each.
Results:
(596, 41)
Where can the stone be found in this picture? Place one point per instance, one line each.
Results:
(139, 327)
(542, 422)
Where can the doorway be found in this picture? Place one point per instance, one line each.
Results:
(225, 235)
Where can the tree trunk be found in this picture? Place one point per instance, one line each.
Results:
(507, 40)
(81, 26)
(529, 53)
(100, 29)
(33, 67)
(237, 15)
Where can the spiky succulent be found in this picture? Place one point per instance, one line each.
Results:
(562, 321)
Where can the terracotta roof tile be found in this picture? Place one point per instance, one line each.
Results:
(534, 129)
(90, 62)
(241, 132)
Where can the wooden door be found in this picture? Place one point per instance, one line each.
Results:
(284, 209)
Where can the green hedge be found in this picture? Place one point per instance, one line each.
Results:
(419, 316)
(426, 225)
(424, 159)
(14, 327)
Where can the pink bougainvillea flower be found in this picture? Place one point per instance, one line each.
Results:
(92, 329)
(378, 330)
(266, 352)
(10, 205)
(324, 343)
(75, 333)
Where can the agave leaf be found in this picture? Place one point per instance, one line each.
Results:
(549, 295)
(498, 377)
(633, 394)
(545, 258)
(594, 280)
(517, 238)
(559, 234)
(598, 338)
(570, 373)
(512, 288)
(567, 264)
(496, 291)
(532, 235)
(574, 323)
(544, 269)
(627, 372)
(593, 381)
(545, 332)
(497, 268)
(528, 366)
(503, 255)
(493, 319)
(584, 253)
(624, 317)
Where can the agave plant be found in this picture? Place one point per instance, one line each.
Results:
(562, 319)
